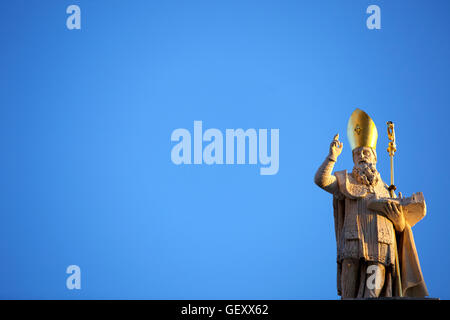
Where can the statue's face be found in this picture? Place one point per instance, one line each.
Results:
(365, 170)
(364, 155)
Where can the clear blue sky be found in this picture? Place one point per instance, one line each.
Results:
(85, 123)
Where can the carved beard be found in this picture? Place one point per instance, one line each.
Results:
(366, 173)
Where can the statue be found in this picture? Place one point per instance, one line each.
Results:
(376, 254)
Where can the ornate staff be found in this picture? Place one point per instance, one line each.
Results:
(391, 150)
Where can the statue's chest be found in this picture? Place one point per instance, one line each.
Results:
(349, 188)
(358, 206)
(362, 223)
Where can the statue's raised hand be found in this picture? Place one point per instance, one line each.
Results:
(335, 148)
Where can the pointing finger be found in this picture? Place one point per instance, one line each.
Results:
(336, 137)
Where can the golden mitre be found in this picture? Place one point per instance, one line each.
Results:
(361, 130)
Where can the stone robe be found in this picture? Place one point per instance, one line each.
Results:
(363, 233)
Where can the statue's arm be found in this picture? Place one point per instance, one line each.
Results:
(324, 177)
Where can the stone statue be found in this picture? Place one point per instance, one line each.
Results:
(376, 254)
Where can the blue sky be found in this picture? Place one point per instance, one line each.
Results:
(85, 124)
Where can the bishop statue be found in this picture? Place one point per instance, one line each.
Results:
(376, 254)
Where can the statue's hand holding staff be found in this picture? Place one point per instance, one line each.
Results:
(335, 148)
